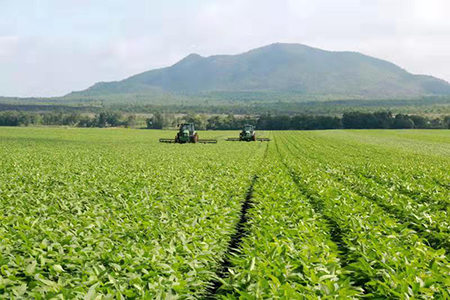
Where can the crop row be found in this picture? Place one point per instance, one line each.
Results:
(427, 215)
(390, 259)
(418, 170)
(288, 251)
(331, 214)
(92, 213)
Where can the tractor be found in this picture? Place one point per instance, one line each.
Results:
(187, 134)
(248, 134)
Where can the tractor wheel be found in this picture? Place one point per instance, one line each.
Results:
(194, 138)
(254, 138)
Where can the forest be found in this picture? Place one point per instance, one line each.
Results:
(349, 120)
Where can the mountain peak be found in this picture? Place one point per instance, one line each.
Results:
(278, 46)
(294, 68)
(193, 57)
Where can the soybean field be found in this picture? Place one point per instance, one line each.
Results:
(114, 214)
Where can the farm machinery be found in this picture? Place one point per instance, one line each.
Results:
(187, 134)
(248, 134)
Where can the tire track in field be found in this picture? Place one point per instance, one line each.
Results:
(404, 218)
(240, 232)
(235, 243)
(317, 204)
(397, 214)
(400, 216)
(336, 232)
(415, 196)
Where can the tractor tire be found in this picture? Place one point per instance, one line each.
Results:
(194, 139)
(254, 138)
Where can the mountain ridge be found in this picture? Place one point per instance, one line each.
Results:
(280, 67)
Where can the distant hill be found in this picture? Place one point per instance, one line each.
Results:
(288, 68)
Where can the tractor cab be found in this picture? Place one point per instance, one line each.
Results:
(187, 134)
(248, 129)
(187, 129)
(248, 133)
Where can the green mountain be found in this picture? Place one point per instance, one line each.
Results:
(279, 68)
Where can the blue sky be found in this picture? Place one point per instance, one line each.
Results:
(53, 47)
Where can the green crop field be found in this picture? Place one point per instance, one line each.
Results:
(114, 214)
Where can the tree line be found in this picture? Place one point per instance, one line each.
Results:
(202, 122)
(102, 119)
(353, 120)
(349, 120)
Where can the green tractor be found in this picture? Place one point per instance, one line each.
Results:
(187, 134)
(248, 134)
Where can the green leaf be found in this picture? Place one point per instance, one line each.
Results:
(31, 268)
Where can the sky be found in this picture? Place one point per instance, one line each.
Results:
(52, 47)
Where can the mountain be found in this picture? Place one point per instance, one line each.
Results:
(290, 68)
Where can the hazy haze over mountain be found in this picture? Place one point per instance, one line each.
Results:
(291, 68)
(53, 47)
